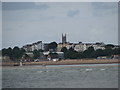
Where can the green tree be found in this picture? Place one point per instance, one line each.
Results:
(71, 54)
(118, 51)
(53, 55)
(40, 50)
(4, 52)
(64, 49)
(52, 46)
(16, 53)
(71, 49)
(22, 52)
(89, 53)
(36, 54)
(99, 52)
(25, 56)
(108, 52)
(7, 52)
(68, 54)
(109, 46)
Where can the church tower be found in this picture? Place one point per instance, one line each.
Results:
(64, 39)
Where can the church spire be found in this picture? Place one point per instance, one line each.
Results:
(63, 38)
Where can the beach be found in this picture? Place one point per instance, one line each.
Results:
(66, 62)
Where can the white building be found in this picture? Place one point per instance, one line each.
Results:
(35, 46)
(80, 47)
(98, 47)
(69, 45)
(40, 45)
(27, 47)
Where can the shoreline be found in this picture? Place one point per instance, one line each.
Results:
(65, 62)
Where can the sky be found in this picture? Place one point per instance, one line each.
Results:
(88, 22)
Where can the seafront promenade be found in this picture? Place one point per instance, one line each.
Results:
(66, 62)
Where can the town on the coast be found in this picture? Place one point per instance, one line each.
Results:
(53, 51)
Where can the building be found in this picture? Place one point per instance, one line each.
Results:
(53, 55)
(64, 44)
(80, 47)
(27, 47)
(34, 46)
(116, 46)
(30, 54)
(27, 57)
(67, 45)
(98, 46)
(59, 47)
(45, 46)
(40, 45)
(64, 39)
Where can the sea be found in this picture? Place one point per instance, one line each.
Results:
(61, 76)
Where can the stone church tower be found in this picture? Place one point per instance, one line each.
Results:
(64, 39)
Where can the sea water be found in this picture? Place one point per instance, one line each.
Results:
(61, 76)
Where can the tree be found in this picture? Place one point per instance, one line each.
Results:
(108, 52)
(115, 51)
(68, 54)
(64, 49)
(16, 53)
(40, 50)
(25, 56)
(52, 45)
(71, 49)
(4, 52)
(109, 46)
(99, 52)
(89, 53)
(22, 52)
(71, 54)
(53, 55)
(7, 52)
(36, 54)
(118, 51)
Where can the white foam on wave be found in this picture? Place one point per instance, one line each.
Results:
(46, 71)
(39, 71)
(89, 69)
(102, 69)
(42, 71)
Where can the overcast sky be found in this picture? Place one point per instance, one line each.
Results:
(25, 23)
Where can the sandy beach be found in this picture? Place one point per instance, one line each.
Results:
(66, 62)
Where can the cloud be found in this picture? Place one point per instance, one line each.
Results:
(23, 6)
(101, 9)
(73, 13)
(104, 5)
(31, 24)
